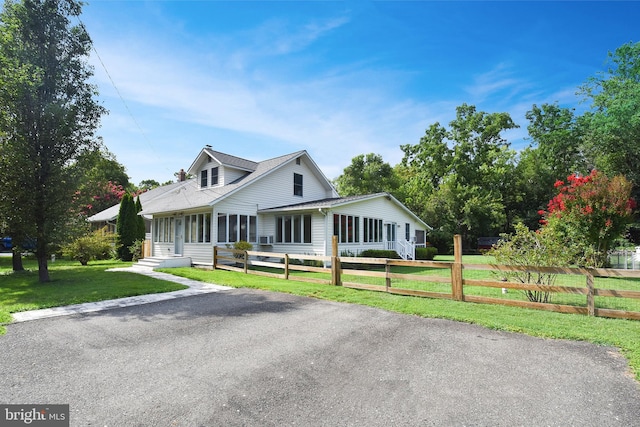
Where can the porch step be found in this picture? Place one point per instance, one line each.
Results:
(164, 262)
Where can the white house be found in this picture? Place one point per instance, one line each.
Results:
(284, 204)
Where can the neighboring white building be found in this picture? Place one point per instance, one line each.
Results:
(284, 204)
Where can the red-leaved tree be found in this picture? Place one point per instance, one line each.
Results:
(98, 196)
(589, 213)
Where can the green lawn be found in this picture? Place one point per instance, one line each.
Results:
(623, 334)
(70, 283)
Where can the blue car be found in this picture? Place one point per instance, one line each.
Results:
(5, 244)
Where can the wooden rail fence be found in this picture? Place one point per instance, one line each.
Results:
(341, 271)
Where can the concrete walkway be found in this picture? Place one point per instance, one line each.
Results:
(195, 288)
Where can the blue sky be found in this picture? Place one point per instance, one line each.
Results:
(336, 78)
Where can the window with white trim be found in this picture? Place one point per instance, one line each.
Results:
(204, 180)
(293, 229)
(297, 184)
(197, 228)
(372, 230)
(234, 227)
(163, 230)
(347, 228)
(215, 176)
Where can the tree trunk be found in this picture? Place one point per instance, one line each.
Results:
(41, 256)
(16, 260)
(43, 269)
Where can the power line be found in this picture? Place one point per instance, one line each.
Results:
(144, 135)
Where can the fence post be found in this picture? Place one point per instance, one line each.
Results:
(387, 272)
(335, 263)
(456, 269)
(246, 262)
(286, 266)
(215, 257)
(591, 306)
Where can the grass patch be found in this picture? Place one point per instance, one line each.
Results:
(70, 283)
(616, 332)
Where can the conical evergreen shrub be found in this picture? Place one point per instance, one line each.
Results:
(126, 227)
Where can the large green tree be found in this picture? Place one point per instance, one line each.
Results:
(458, 179)
(100, 165)
(367, 174)
(555, 152)
(557, 134)
(102, 181)
(613, 124)
(48, 112)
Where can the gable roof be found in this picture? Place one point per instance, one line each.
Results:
(331, 203)
(190, 196)
(223, 159)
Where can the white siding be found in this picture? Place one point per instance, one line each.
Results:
(200, 253)
(276, 189)
(162, 249)
(267, 223)
(378, 208)
(227, 175)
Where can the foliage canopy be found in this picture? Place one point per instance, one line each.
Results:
(48, 116)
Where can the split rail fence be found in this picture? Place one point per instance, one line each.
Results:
(595, 292)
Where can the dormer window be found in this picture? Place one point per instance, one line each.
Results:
(214, 176)
(203, 179)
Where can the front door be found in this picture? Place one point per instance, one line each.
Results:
(179, 237)
(390, 237)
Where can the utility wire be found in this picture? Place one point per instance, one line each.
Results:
(126, 106)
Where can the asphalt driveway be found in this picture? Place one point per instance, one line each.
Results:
(246, 357)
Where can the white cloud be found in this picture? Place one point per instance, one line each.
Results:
(335, 117)
(498, 82)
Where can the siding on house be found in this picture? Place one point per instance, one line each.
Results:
(163, 249)
(227, 175)
(318, 243)
(200, 253)
(378, 208)
(383, 208)
(277, 188)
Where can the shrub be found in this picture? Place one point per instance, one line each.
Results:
(589, 213)
(428, 253)
(531, 248)
(136, 250)
(380, 253)
(442, 241)
(240, 246)
(347, 253)
(94, 246)
(126, 227)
